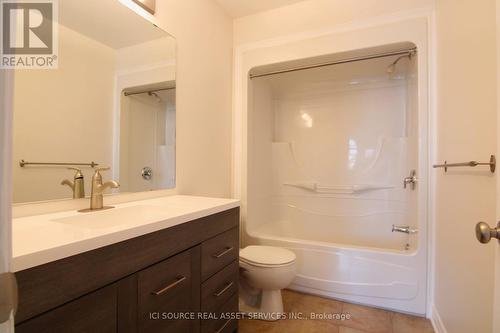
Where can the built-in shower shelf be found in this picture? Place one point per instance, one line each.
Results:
(337, 189)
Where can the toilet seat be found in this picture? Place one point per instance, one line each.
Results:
(266, 256)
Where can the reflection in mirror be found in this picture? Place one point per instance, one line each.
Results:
(147, 137)
(110, 102)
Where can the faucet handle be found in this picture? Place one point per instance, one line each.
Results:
(78, 173)
(97, 173)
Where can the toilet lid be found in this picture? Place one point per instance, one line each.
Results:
(266, 255)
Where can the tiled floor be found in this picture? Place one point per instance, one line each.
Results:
(362, 319)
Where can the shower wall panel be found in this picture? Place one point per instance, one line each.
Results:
(329, 153)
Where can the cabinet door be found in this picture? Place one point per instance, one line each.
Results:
(92, 313)
(169, 294)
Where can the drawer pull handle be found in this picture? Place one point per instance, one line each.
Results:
(179, 280)
(223, 326)
(226, 288)
(223, 253)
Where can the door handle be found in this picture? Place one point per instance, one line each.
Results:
(179, 280)
(484, 233)
(226, 288)
(221, 329)
(223, 253)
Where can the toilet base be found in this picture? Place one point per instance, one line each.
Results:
(264, 272)
(271, 301)
(268, 308)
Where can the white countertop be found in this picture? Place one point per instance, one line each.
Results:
(44, 238)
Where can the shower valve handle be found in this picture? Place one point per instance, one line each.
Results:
(412, 180)
(404, 228)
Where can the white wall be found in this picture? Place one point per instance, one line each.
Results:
(156, 52)
(76, 121)
(204, 51)
(316, 15)
(466, 130)
(144, 64)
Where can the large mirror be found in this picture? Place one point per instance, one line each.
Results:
(110, 102)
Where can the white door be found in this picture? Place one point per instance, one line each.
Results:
(5, 193)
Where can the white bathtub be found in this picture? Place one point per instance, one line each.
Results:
(382, 278)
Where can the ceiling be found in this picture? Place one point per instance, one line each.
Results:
(239, 8)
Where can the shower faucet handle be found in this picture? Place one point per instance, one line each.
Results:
(404, 229)
(412, 180)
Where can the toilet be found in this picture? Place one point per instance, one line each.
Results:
(265, 270)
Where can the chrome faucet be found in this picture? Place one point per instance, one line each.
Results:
(98, 187)
(77, 185)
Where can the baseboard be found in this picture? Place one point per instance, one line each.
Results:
(436, 321)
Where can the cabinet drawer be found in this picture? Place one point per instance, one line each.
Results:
(218, 252)
(166, 289)
(219, 288)
(95, 312)
(227, 324)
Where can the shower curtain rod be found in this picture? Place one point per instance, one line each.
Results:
(411, 51)
(145, 91)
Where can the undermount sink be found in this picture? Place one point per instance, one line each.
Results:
(114, 217)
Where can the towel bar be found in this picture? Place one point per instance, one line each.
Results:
(492, 163)
(23, 163)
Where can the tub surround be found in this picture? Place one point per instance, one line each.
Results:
(182, 257)
(40, 239)
(326, 154)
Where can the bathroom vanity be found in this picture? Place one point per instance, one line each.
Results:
(160, 274)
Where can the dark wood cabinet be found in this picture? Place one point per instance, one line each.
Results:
(92, 313)
(170, 288)
(159, 282)
(220, 271)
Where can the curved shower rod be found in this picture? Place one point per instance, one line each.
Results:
(408, 52)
